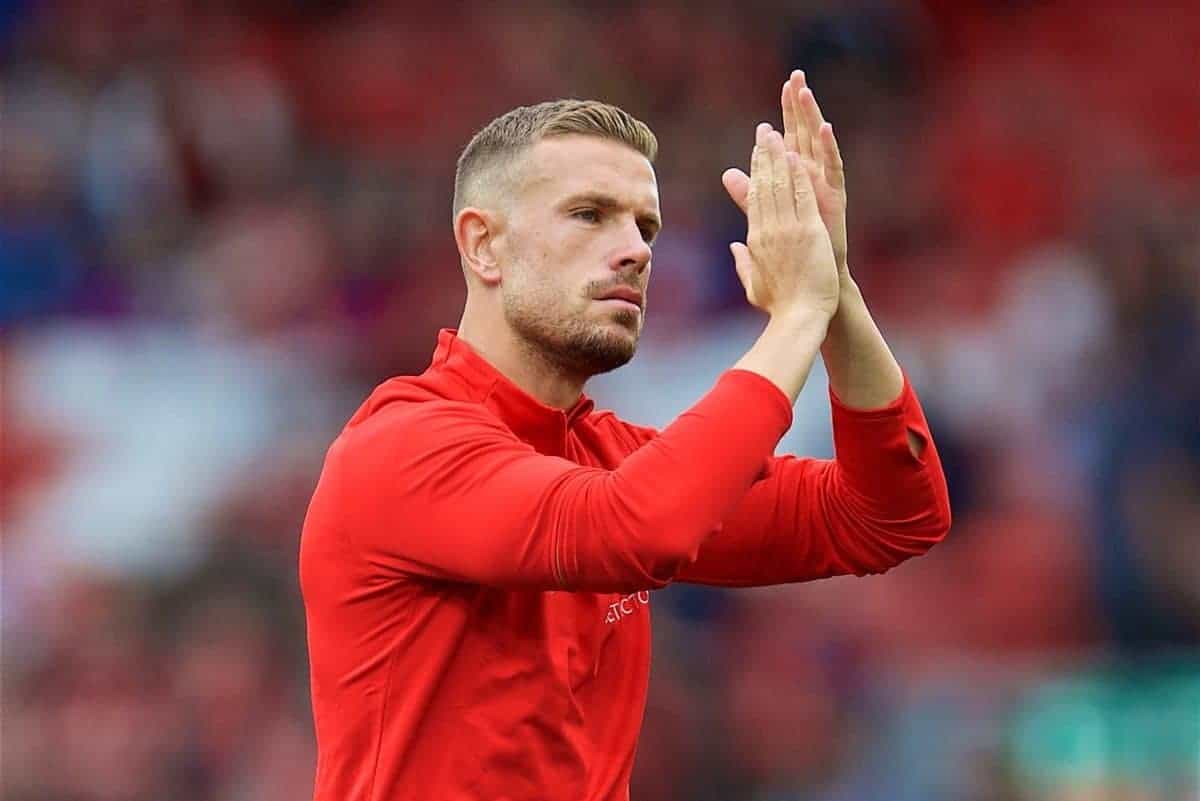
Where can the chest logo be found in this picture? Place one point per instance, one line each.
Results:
(626, 606)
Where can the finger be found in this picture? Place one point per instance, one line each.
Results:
(737, 184)
(754, 193)
(815, 172)
(831, 157)
(811, 112)
(782, 190)
(803, 194)
(759, 202)
(791, 133)
(803, 140)
(793, 118)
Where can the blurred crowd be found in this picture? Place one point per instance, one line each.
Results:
(222, 223)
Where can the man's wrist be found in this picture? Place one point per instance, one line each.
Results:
(850, 299)
(801, 320)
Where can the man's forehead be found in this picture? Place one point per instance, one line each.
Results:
(568, 165)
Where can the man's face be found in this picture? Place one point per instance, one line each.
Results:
(576, 253)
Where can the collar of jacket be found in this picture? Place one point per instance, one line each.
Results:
(544, 427)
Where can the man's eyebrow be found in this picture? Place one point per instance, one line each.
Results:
(609, 202)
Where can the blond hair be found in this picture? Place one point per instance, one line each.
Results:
(503, 139)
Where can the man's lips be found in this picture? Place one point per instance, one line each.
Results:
(623, 293)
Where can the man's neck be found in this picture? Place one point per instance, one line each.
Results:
(524, 365)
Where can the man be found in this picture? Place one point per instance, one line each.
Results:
(477, 558)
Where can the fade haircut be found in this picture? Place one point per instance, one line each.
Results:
(492, 152)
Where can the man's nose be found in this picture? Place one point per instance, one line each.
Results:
(634, 252)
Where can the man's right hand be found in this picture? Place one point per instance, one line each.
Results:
(787, 265)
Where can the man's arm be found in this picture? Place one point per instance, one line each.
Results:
(877, 503)
(863, 373)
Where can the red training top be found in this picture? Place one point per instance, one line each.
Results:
(476, 567)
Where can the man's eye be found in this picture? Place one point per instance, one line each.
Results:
(588, 215)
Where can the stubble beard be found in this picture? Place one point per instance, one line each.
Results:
(572, 344)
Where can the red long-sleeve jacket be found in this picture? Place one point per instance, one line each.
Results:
(477, 567)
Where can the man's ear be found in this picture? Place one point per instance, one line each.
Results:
(476, 231)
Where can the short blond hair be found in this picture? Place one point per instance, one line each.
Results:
(499, 143)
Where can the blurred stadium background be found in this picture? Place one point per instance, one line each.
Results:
(222, 223)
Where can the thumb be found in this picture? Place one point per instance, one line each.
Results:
(737, 184)
(744, 266)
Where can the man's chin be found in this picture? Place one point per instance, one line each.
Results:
(610, 345)
(613, 348)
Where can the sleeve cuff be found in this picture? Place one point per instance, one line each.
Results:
(761, 386)
(873, 443)
(894, 407)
